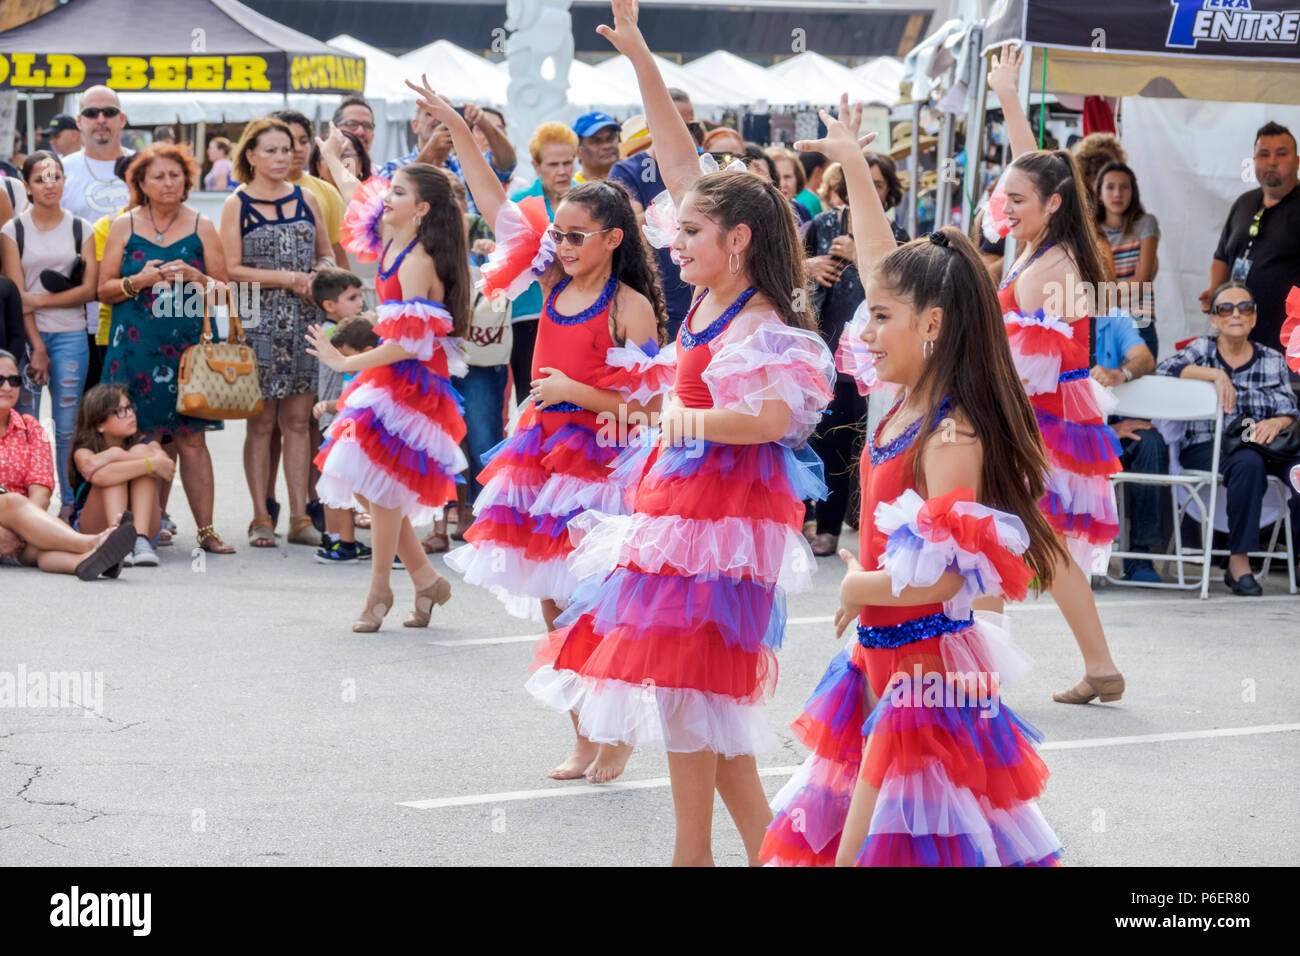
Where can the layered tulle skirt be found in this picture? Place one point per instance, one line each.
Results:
(556, 465)
(396, 438)
(1051, 357)
(670, 639)
(957, 774)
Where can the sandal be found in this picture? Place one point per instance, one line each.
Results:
(302, 531)
(810, 530)
(825, 545)
(211, 542)
(438, 593)
(437, 542)
(377, 606)
(261, 533)
(361, 519)
(273, 513)
(108, 556)
(164, 538)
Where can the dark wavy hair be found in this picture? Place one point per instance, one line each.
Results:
(139, 168)
(1134, 212)
(314, 160)
(893, 187)
(99, 402)
(442, 234)
(1054, 172)
(774, 259)
(971, 366)
(608, 205)
(35, 159)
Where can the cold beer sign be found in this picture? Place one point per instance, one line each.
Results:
(265, 74)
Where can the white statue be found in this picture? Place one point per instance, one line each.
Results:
(542, 30)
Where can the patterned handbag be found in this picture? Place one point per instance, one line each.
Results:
(219, 381)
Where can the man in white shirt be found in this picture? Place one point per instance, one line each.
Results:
(91, 188)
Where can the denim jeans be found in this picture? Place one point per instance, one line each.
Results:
(1146, 506)
(69, 355)
(484, 392)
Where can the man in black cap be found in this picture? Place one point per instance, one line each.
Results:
(64, 135)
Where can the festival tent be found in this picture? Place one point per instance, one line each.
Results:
(704, 95)
(458, 74)
(732, 78)
(172, 46)
(810, 77)
(593, 89)
(879, 79)
(1175, 65)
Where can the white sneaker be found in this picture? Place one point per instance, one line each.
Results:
(143, 554)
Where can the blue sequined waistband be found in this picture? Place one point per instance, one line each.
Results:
(909, 632)
(1073, 375)
(563, 407)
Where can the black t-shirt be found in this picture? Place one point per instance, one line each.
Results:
(13, 337)
(1274, 257)
(639, 175)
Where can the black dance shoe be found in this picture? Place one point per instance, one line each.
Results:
(1246, 585)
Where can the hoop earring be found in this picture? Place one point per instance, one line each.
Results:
(733, 268)
(927, 349)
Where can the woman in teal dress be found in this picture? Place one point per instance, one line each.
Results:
(156, 244)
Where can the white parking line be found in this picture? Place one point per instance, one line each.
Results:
(587, 789)
(1014, 611)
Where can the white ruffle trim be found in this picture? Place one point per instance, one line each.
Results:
(853, 357)
(768, 550)
(759, 358)
(422, 346)
(986, 648)
(680, 720)
(414, 428)
(648, 375)
(348, 472)
(914, 557)
(517, 582)
(511, 230)
(661, 226)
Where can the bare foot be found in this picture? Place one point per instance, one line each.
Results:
(609, 763)
(584, 752)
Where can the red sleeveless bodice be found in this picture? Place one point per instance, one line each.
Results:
(575, 348)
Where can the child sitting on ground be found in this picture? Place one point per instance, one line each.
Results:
(114, 468)
(351, 336)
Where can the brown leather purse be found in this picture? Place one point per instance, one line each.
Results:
(219, 381)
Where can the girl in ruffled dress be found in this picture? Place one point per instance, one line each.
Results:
(1055, 284)
(597, 372)
(916, 760)
(682, 604)
(394, 445)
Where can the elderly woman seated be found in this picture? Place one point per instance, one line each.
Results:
(29, 534)
(1259, 406)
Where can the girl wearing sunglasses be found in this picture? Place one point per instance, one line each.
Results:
(114, 467)
(596, 370)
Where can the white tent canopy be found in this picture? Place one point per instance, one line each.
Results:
(734, 80)
(385, 73)
(458, 74)
(878, 80)
(704, 95)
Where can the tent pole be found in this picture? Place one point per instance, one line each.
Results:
(943, 186)
(200, 148)
(974, 181)
(914, 169)
(31, 124)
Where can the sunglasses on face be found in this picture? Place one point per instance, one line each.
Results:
(13, 381)
(94, 112)
(574, 238)
(1227, 308)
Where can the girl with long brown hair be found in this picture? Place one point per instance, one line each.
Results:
(394, 444)
(948, 513)
(1056, 284)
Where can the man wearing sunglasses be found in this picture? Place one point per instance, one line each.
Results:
(1260, 242)
(92, 189)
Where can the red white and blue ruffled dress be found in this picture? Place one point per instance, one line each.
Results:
(1051, 355)
(556, 463)
(396, 438)
(670, 640)
(957, 775)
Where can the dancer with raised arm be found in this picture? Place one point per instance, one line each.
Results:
(683, 601)
(1054, 286)
(394, 444)
(941, 772)
(597, 370)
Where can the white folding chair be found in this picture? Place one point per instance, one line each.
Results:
(1172, 399)
(1275, 514)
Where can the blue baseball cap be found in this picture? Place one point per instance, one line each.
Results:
(590, 123)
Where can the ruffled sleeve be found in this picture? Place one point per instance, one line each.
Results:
(761, 359)
(926, 539)
(1042, 345)
(524, 249)
(639, 372)
(853, 358)
(661, 215)
(359, 233)
(420, 327)
(995, 223)
(1291, 329)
